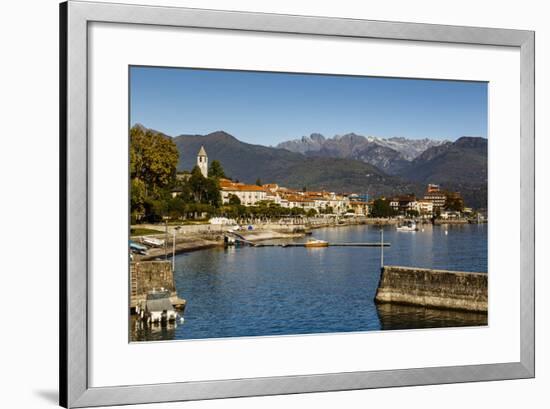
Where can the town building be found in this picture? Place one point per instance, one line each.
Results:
(403, 204)
(436, 196)
(249, 195)
(433, 188)
(440, 199)
(425, 207)
(359, 208)
(356, 197)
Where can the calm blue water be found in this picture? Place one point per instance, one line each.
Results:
(247, 291)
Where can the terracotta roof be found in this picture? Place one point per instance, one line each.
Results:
(226, 183)
(243, 188)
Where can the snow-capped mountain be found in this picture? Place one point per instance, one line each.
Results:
(388, 154)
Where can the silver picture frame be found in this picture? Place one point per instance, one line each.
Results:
(75, 16)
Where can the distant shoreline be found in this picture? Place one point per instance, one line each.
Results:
(206, 236)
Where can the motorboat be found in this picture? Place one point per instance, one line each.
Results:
(138, 248)
(153, 242)
(316, 243)
(157, 307)
(409, 226)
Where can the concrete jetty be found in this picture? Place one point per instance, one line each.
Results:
(433, 288)
(146, 276)
(374, 244)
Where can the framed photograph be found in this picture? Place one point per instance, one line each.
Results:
(258, 204)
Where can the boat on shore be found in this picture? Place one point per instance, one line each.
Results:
(138, 248)
(408, 227)
(152, 242)
(316, 243)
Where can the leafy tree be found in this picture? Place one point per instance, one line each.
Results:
(137, 198)
(311, 213)
(153, 159)
(216, 170)
(297, 211)
(197, 183)
(454, 203)
(203, 190)
(258, 182)
(212, 195)
(381, 208)
(234, 200)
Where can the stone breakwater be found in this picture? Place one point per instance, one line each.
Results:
(146, 276)
(433, 288)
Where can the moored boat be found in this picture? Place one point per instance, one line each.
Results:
(316, 243)
(409, 226)
(157, 307)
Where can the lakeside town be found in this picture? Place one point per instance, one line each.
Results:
(203, 208)
(206, 194)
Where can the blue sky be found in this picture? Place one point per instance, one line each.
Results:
(268, 108)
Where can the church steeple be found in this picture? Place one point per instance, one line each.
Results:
(202, 162)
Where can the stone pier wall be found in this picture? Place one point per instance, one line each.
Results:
(148, 275)
(433, 288)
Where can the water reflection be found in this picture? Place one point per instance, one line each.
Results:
(141, 331)
(396, 316)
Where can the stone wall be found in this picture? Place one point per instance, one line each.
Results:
(148, 275)
(433, 288)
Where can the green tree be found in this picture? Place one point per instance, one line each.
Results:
(311, 213)
(197, 183)
(153, 159)
(216, 170)
(454, 203)
(381, 208)
(258, 182)
(137, 198)
(205, 191)
(234, 200)
(212, 194)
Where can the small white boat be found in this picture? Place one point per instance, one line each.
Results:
(153, 242)
(157, 307)
(316, 243)
(409, 226)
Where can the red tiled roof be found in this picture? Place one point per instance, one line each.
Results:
(243, 188)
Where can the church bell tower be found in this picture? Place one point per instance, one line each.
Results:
(202, 162)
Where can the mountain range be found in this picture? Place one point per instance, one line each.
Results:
(350, 163)
(247, 162)
(389, 154)
(459, 166)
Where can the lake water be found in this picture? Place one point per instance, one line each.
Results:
(255, 291)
